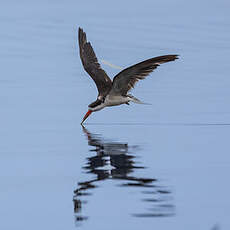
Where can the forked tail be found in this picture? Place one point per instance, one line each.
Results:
(136, 100)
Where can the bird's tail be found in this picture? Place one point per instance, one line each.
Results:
(136, 100)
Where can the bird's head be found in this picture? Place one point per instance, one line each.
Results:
(93, 107)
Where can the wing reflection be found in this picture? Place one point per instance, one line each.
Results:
(115, 161)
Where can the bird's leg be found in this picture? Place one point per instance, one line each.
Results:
(127, 103)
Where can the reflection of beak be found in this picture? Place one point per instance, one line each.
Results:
(86, 115)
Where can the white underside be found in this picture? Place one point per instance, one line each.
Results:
(112, 100)
(115, 100)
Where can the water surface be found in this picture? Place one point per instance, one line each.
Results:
(162, 166)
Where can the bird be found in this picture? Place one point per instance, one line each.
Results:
(114, 92)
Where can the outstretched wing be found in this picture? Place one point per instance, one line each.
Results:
(91, 65)
(126, 79)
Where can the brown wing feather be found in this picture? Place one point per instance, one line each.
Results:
(126, 79)
(91, 65)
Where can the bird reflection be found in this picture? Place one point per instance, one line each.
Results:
(115, 161)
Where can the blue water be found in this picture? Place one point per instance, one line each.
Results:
(162, 166)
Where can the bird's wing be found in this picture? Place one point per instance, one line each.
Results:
(91, 65)
(126, 79)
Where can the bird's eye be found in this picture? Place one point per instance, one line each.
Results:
(95, 103)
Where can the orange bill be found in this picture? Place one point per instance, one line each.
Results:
(86, 115)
